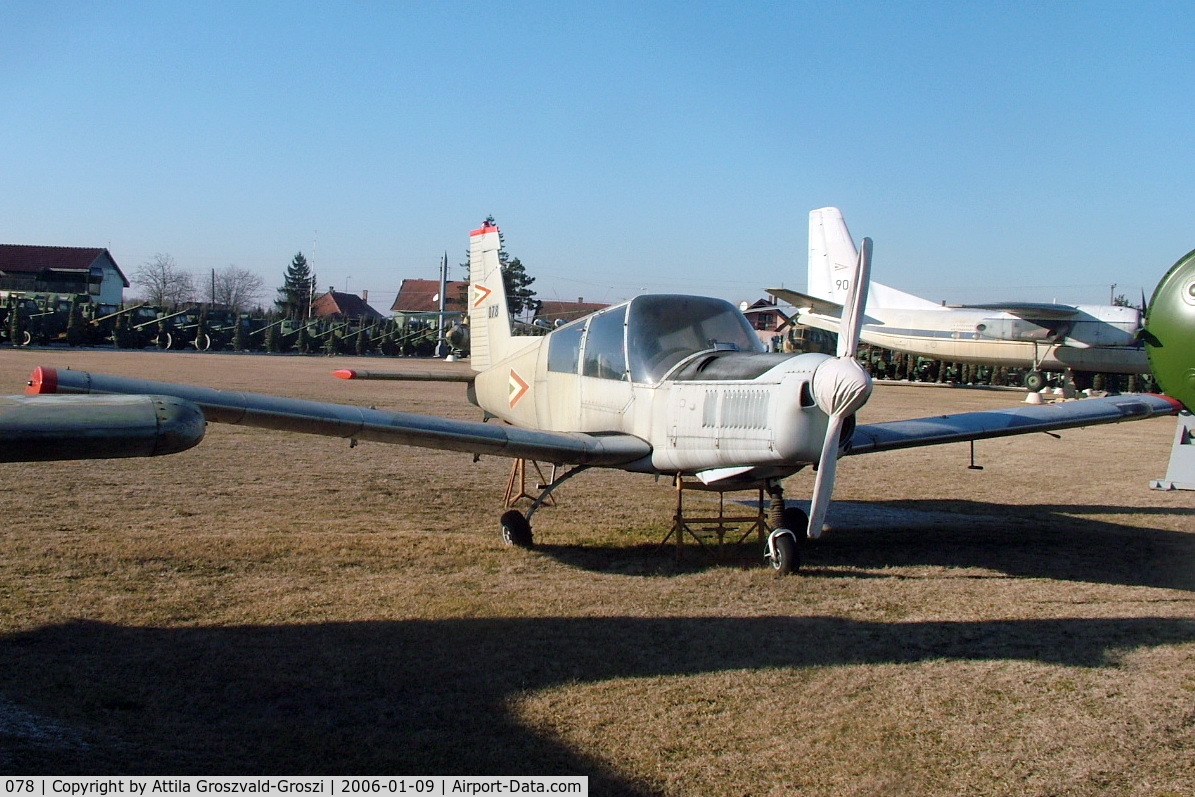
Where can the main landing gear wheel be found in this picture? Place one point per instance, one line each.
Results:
(1035, 380)
(787, 541)
(787, 557)
(516, 529)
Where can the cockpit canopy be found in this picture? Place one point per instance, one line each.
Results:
(643, 339)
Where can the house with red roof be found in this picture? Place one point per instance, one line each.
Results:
(344, 306)
(555, 313)
(62, 270)
(419, 298)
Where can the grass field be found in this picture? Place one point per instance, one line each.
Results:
(272, 603)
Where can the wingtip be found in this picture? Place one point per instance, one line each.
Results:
(1178, 405)
(43, 380)
(345, 373)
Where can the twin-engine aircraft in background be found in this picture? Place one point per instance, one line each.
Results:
(670, 385)
(1077, 340)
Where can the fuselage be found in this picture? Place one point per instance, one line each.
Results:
(676, 371)
(1089, 343)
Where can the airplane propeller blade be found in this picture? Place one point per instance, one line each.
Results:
(823, 484)
(840, 387)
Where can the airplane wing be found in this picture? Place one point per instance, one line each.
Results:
(1039, 311)
(1023, 419)
(359, 423)
(801, 300)
(43, 428)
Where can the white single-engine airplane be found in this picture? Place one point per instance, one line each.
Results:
(662, 384)
(1072, 339)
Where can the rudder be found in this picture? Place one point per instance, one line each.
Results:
(489, 318)
(832, 255)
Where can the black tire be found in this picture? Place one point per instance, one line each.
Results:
(788, 547)
(787, 559)
(1035, 380)
(795, 520)
(516, 529)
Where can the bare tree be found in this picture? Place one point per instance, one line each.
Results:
(237, 288)
(163, 283)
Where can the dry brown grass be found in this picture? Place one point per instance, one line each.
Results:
(279, 604)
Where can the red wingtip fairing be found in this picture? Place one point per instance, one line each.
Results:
(43, 380)
(345, 373)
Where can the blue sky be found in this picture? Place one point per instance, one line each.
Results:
(1035, 151)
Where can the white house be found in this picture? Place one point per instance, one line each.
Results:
(62, 270)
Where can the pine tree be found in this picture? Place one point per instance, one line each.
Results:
(16, 330)
(240, 335)
(519, 295)
(332, 343)
(294, 297)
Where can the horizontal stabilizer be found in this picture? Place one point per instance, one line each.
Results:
(404, 376)
(802, 300)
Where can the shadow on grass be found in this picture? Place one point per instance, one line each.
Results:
(430, 697)
(1054, 541)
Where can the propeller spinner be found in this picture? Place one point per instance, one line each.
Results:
(840, 387)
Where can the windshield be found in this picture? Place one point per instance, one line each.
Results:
(664, 329)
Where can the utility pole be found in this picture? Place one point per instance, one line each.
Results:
(442, 344)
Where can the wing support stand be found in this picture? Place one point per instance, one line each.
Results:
(713, 533)
(973, 466)
(516, 485)
(1180, 474)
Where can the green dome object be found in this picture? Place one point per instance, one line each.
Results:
(1170, 332)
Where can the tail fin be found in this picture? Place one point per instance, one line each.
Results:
(832, 256)
(489, 318)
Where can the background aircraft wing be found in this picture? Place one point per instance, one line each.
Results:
(359, 423)
(43, 428)
(800, 300)
(1041, 311)
(1004, 422)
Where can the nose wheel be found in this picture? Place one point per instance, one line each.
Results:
(789, 530)
(785, 542)
(784, 553)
